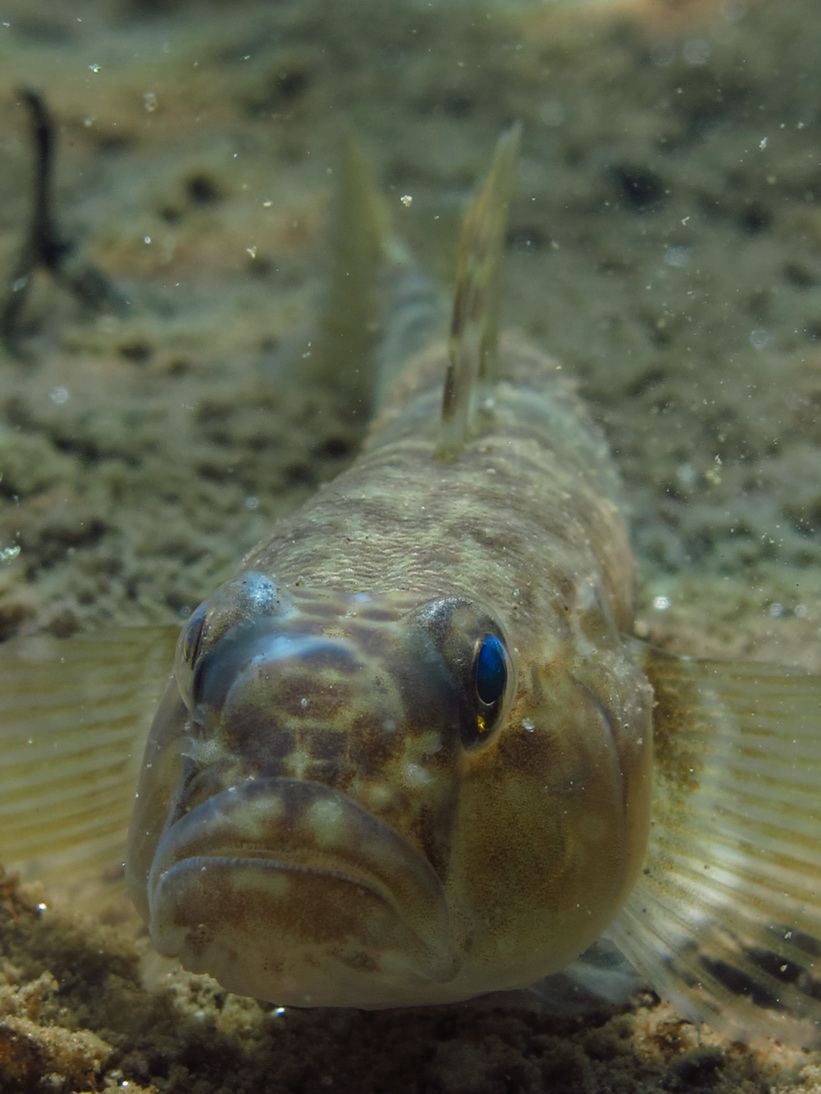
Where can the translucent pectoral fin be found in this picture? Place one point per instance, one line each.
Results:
(725, 921)
(600, 977)
(74, 714)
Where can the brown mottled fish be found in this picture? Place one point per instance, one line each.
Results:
(409, 753)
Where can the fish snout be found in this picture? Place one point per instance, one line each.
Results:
(289, 891)
(295, 704)
(275, 663)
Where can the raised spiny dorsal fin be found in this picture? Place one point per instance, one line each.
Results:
(474, 322)
(341, 348)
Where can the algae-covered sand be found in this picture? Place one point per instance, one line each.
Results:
(665, 243)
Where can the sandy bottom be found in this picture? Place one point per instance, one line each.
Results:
(665, 243)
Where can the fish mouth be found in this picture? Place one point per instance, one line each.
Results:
(289, 891)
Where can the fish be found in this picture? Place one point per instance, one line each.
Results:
(412, 752)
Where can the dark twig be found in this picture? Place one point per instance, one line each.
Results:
(45, 246)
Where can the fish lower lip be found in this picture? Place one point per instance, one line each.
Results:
(226, 859)
(286, 863)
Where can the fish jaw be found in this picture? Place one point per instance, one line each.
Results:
(288, 891)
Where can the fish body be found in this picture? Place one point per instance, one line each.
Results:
(349, 683)
(406, 754)
(331, 745)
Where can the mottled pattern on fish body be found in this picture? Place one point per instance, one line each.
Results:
(406, 758)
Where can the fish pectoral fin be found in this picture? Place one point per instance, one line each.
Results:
(74, 714)
(472, 369)
(725, 921)
(600, 977)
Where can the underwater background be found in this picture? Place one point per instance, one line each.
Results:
(664, 243)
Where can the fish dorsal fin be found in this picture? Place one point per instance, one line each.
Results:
(725, 920)
(341, 348)
(474, 320)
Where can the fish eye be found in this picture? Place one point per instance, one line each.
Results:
(474, 654)
(490, 670)
(244, 600)
(188, 649)
(489, 674)
(192, 635)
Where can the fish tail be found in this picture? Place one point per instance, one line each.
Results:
(474, 319)
(724, 919)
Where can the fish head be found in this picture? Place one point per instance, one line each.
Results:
(333, 810)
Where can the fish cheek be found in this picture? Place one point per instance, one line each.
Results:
(539, 864)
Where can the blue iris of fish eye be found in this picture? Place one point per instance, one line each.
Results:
(490, 669)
